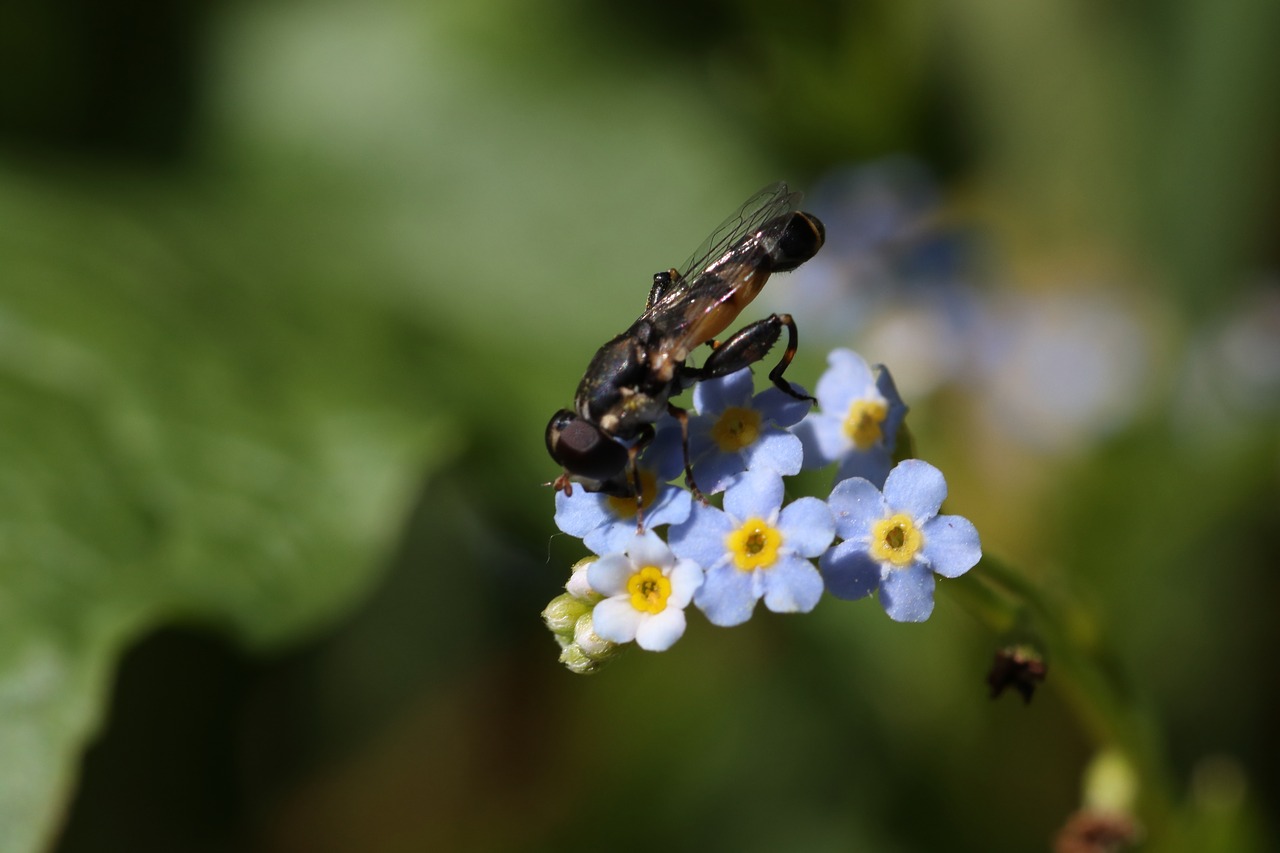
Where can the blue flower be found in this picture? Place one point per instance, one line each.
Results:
(755, 548)
(646, 589)
(607, 524)
(895, 542)
(857, 422)
(734, 431)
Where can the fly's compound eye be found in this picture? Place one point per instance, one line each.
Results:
(798, 242)
(582, 448)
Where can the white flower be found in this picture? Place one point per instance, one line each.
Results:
(645, 589)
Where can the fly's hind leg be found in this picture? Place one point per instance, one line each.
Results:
(749, 345)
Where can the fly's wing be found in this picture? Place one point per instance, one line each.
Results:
(770, 203)
(701, 288)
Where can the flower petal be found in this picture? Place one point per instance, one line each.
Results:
(716, 471)
(807, 526)
(782, 409)
(849, 571)
(686, 576)
(615, 619)
(609, 574)
(647, 549)
(857, 505)
(726, 596)
(701, 538)
(951, 545)
(872, 464)
(580, 513)
(916, 488)
(906, 594)
(823, 439)
(776, 450)
(657, 632)
(897, 411)
(848, 378)
(716, 395)
(791, 585)
(756, 493)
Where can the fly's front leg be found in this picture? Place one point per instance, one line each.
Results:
(752, 343)
(662, 282)
(633, 472)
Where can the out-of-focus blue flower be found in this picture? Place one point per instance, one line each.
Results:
(895, 542)
(646, 589)
(1058, 371)
(755, 548)
(606, 523)
(889, 241)
(859, 414)
(734, 431)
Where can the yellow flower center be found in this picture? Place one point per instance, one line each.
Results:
(649, 589)
(896, 540)
(626, 507)
(736, 428)
(754, 545)
(862, 424)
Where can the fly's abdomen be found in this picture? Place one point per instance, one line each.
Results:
(799, 241)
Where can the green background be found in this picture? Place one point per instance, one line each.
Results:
(288, 291)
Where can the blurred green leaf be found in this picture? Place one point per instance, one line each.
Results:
(196, 428)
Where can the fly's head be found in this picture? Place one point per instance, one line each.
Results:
(584, 450)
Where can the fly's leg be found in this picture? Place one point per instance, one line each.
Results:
(683, 417)
(662, 283)
(633, 472)
(749, 345)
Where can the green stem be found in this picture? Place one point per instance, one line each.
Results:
(1004, 600)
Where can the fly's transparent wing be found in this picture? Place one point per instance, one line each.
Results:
(770, 203)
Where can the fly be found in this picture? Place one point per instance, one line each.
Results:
(628, 384)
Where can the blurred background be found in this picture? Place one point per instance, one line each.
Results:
(289, 290)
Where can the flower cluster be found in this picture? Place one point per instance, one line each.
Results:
(878, 530)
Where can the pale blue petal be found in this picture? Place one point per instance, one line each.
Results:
(791, 585)
(610, 537)
(776, 450)
(782, 409)
(615, 619)
(906, 594)
(872, 464)
(807, 526)
(715, 472)
(716, 395)
(581, 512)
(665, 455)
(823, 439)
(847, 379)
(897, 409)
(857, 505)
(951, 545)
(609, 574)
(849, 571)
(756, 494)
(726, 596)
(916, 488)
(701, 538)
(658, 631)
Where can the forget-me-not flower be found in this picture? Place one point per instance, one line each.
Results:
(646, 589)
(857, 422)
(895, 541)
(734, 430)
(606, 523)
(755, 548)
